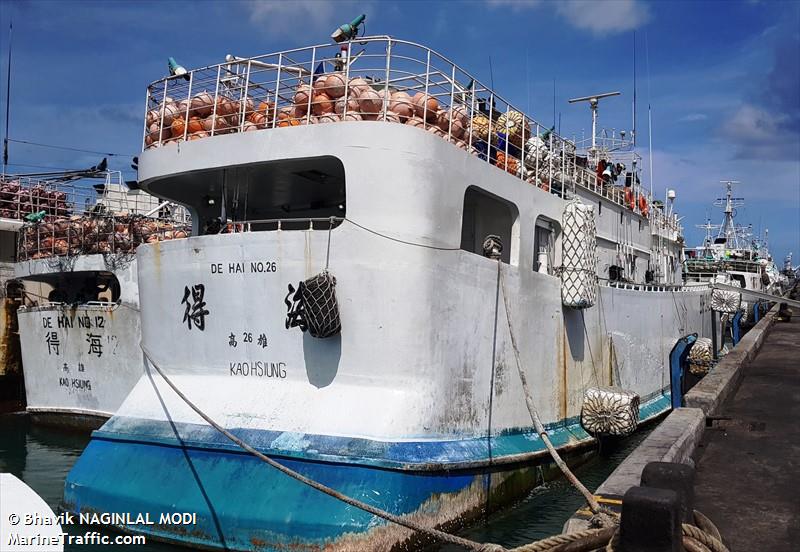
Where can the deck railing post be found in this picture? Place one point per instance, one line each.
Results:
(427, 79)
(245, 98)
(146, 112)
(386, 95)
(277, 91)
(489, 133)
(538, 156)
(347, 80)
(163, 108)
(188, 107)
(310, 85)
(216, 101)
(452, 94)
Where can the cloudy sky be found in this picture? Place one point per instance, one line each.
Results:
(722, 78)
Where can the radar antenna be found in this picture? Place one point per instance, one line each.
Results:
(593, 104)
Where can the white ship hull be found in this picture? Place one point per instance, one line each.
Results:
(80, 361)
(417, 404)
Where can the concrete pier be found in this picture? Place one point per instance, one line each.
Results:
(739, 427)
(748, 462)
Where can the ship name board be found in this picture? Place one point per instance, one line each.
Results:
(244, 267)
(64, 321)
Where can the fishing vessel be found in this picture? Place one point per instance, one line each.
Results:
(734, 256)
(79, 325)
(370, 226)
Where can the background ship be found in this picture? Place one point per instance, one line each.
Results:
(76, 296)
(734, 254)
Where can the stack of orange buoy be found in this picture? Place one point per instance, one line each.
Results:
(87, 235)
(17, 200)
(329, 98)
(201, 117)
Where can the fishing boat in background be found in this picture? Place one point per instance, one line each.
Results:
(734, 257)
(78, 317)
(370, 224)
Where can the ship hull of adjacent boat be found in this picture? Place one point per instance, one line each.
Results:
(80, 361)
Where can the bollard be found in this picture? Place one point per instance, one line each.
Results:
(674, 477)
(714, 334)
(651, 521)
(736, 325)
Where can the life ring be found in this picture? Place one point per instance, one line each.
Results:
(643, 205)
(629, 200)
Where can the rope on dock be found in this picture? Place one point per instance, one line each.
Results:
(399, 520)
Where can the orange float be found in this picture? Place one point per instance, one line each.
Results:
(643, 207)
(178, 128)
(321, 104)
(629, 200)
(507, 163)
(421, 101)
(195, 125)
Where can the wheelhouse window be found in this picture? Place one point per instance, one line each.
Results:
(486, 214)
(544, 245)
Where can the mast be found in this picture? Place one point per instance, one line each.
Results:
(708, 241)
(728, 228)
(8, 99)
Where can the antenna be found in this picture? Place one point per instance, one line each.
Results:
(8, 99)
(593, 103)
(634, 91)
(649, 113)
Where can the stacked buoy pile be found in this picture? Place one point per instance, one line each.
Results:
(18, 200)
(91, 234)
(506, 139)
(331, 98)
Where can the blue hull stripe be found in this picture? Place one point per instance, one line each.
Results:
(133, 466)
(240, 501)
(422, 455)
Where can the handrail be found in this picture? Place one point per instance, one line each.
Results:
(275, 90)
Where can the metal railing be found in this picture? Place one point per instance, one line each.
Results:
(374, 79)
(86, 216)
(21, 196)
(95, 233)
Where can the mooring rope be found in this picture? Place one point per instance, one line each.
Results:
(399, 520)
(705, 538)
(594, 506)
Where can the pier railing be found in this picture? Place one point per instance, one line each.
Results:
(375, 79)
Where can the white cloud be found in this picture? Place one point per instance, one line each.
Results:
(693, 117)
(303, 16)
(761, 134)
(603, 18)
(515, 5)
(600, 17)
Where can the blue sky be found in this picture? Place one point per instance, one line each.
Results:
(724, 77)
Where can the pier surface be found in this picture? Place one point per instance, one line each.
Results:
(748, 463)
